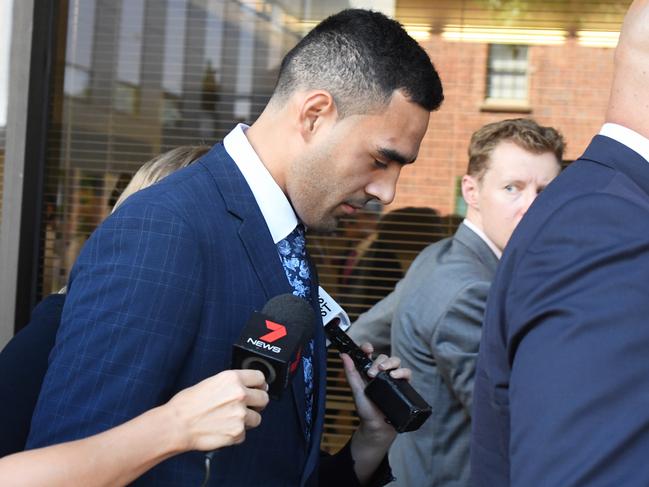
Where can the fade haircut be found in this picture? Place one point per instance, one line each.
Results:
(360, 57)
(524, 132)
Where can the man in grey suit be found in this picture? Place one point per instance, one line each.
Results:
(436, 311)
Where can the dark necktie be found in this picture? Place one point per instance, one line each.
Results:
(292, 253)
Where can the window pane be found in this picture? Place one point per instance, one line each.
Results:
(78, 53)
(507, 72)
(174, 46)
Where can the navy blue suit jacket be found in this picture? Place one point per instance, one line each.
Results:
(23, 363)
(156, 299)
(562, 387)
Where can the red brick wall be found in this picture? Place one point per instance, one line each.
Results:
(568, 89)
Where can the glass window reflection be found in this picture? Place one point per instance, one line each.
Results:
(79, 47)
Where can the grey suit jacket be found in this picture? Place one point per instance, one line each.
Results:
(374, 325)
(436, 313)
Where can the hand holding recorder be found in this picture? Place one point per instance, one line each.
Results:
(402, 406)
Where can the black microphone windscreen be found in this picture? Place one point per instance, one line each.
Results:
(292, 311)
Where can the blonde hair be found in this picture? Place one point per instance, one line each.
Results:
(524, 132)
(160, 167)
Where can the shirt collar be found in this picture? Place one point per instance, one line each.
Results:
(273, 203)
(632, 139)
(474, 228)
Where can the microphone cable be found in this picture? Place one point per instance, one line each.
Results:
(208, 465)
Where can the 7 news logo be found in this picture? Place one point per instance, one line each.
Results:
(277, 331)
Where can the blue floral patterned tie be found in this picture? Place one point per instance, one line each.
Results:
(292, 253)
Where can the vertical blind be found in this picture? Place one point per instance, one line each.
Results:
(138, 77)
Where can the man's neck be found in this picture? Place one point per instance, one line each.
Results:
(263, 137)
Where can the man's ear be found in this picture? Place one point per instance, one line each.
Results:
(471, 191)
(316, 110)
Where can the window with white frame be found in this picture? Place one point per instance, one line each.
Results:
(507, 73)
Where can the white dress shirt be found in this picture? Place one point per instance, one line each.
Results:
(625, 136)
(473, 227)
(273, 203)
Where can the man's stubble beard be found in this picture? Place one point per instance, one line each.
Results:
(308, 193)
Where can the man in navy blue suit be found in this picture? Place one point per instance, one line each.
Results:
(562, 387)
(162, 289)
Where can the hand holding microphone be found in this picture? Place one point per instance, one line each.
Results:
(269, 350)
(217, 411)
(373, 420)
(211, 414)
(381, 405)
(272, 341)
(371, 441)
(263, 360)
(402, 405)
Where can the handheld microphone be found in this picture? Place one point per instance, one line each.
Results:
(272, 340)
(403, 406)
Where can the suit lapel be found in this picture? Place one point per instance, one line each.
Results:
(263, 255)
(258, 242)
(253, 231)
(479, 247)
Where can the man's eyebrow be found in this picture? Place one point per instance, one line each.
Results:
(393, 155)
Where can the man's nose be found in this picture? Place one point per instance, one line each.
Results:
(384, 186)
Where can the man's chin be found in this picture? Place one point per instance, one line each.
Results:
(326, 224)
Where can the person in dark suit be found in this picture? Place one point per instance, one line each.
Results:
(212, 414)
(561, 385)
(164, 286)
(23, 361)
(435, 314)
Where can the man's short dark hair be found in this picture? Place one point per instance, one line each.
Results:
(360, 57)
